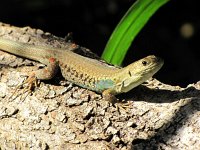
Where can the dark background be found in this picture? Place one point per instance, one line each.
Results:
(172, 33)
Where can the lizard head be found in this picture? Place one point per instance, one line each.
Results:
(138, 72)
(147, 66)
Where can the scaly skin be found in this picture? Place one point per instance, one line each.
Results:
(83, 71)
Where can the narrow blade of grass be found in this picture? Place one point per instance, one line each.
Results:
(127, 29)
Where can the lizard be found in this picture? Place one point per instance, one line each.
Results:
(83, 71)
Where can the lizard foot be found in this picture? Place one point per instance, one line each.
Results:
(30, 83)
(124, 105)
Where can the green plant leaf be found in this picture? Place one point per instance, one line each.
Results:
(127, 29)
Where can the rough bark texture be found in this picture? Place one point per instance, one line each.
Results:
(58, 115)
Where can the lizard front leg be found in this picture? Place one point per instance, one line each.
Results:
(109, 96)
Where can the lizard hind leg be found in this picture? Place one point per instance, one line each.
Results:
(45, 73)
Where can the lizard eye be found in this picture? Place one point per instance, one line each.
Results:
(144, 63)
